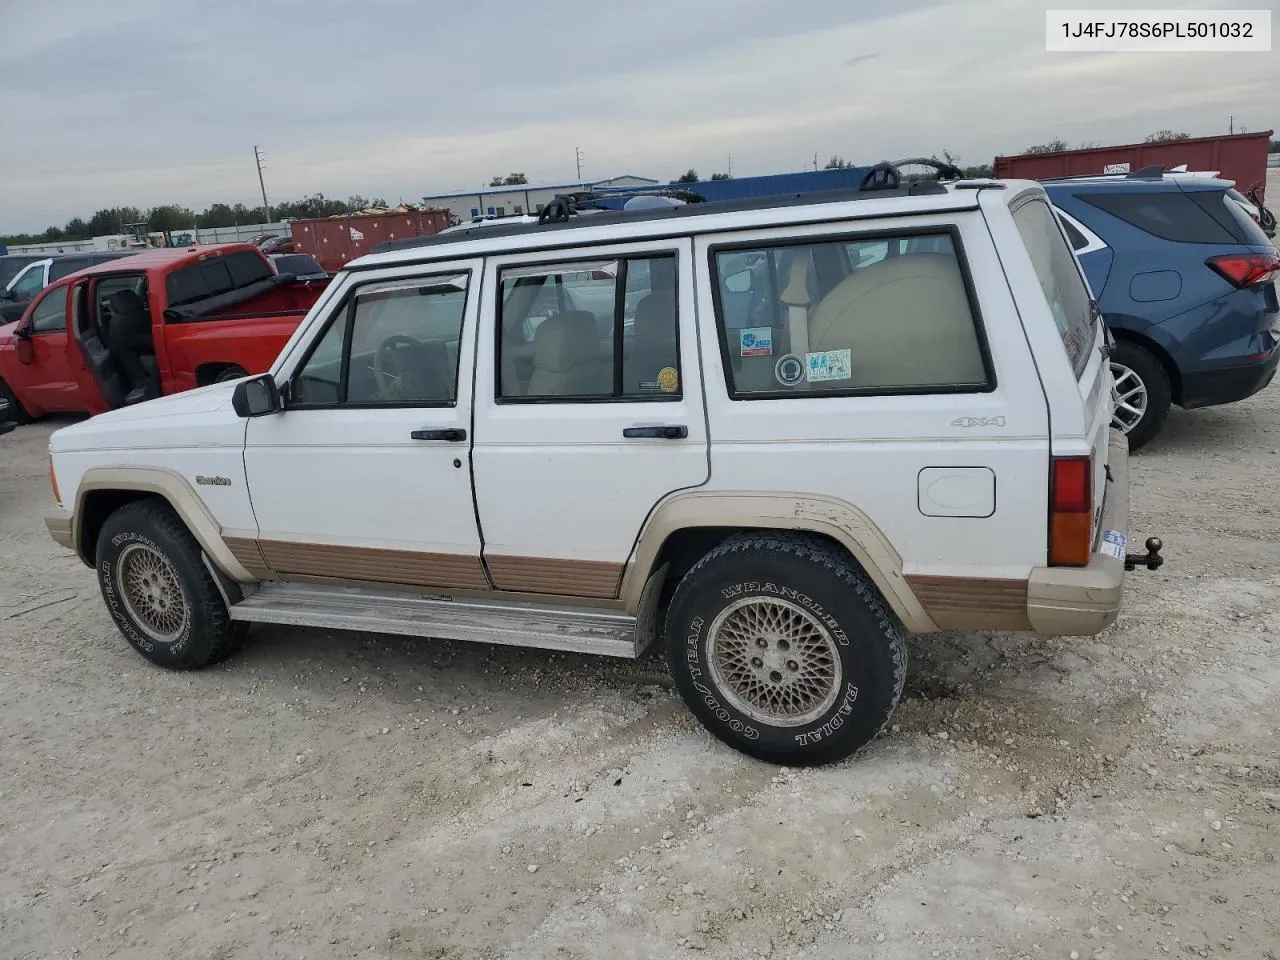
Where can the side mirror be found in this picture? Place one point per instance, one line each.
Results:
(26, 351)
(257, 397)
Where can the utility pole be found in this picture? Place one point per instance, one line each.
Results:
(815, 161)
(731, 165)
(577, 156)
(257, 158)
(1231, 120)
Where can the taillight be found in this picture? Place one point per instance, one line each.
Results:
(1071, 512)
(1245, 269)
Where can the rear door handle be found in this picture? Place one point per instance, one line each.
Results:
(666, 432)
(452, 434)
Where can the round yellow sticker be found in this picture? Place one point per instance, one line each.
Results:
(668, 380)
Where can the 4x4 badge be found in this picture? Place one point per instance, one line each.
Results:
(978, 422)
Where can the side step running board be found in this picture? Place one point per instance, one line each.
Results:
(576, 629)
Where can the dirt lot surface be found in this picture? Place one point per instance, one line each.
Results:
(325, 795)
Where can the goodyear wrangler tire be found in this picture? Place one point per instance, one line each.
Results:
(784, 649)
(158, 591)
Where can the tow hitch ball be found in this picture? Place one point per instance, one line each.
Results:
(1151, 559)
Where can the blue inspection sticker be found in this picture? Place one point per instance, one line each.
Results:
(755, 342)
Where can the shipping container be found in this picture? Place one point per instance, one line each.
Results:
(335, 241)
(1241, 157)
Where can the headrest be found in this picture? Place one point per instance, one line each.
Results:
(126, 301)
(566, 340)
(655, 316)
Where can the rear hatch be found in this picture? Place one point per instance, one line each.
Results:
(1079, 445)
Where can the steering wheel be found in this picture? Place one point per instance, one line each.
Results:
(388, 370)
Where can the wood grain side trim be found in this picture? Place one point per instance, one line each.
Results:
(571, 578)
(373, 565)
(973, 603)
(246, 551)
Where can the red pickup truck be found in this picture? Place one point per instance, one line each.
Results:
(196, 316)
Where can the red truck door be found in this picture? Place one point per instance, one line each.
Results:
(49, 380)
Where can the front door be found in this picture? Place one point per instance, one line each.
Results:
(588, 410)
(365, 477)
(53, 387)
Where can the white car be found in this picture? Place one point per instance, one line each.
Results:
(829, 422)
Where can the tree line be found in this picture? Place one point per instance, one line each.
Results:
(169, 217)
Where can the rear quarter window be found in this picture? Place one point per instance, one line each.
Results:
(1060, 280)
(869, 315)
(1167, 214)
(216, 276)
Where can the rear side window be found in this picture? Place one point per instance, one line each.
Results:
(853, 316)
(1060, 279)
(215, 277)
(1167, 214)
(1232, 209)
(64, 267)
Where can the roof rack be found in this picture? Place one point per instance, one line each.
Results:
(581, 208)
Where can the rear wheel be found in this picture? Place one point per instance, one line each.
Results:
(1143, 393)
(158, 591)
(784, 650)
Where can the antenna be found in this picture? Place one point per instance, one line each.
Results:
(257, 158)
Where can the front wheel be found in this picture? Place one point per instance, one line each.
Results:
(784, 650)
(1143, 394)
(158, 591)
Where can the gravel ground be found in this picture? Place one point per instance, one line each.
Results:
(327, 795)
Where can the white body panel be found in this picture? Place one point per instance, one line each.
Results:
(869, 450)
(558, 479)
(193, 434)
(354, 476)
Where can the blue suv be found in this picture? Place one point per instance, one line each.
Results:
(1186, 280)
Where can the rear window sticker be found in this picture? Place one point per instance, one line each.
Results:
(829, 365)
(755, 342)
(789, 370)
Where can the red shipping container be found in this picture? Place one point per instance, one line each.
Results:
(335, 241)
(1241, 157)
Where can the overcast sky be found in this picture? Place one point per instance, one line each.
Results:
(141, 102)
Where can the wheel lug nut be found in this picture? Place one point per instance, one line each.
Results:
(757, 662)
(761, 642)
(792, 665)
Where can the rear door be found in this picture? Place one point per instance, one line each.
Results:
(589, 410)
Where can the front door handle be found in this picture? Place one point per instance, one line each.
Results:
(666, 432)
(452, 434)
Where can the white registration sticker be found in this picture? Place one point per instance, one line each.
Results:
(1113, 544)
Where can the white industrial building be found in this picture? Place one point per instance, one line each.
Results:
(524, 198)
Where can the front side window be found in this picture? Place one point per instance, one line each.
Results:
(590, 330)
(395, 343)
(29, 282)
(50, 314)
(1064, 289)
(873, 315)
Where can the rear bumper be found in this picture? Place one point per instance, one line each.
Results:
(1228, 384)
(59, 526)
(1083, 601)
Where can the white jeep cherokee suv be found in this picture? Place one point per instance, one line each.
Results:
(775, 435)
